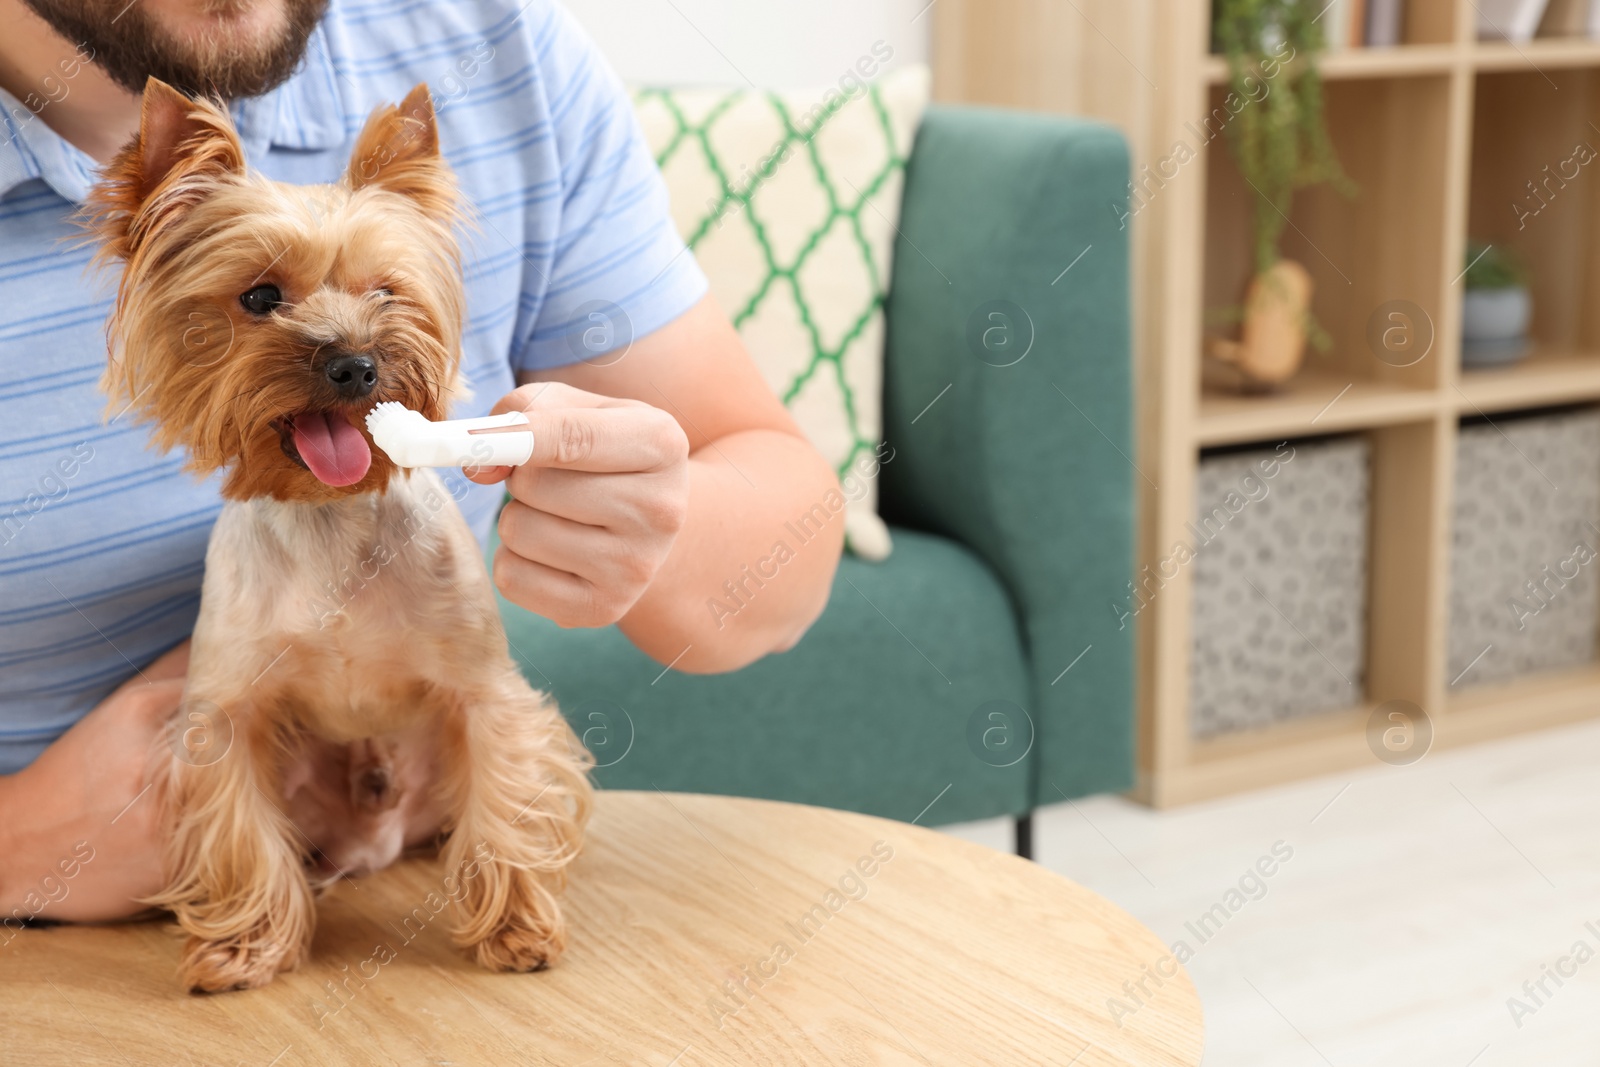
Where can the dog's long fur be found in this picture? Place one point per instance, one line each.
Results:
(409, 654)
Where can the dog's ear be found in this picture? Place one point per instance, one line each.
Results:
(398, 150)
(189, 138)
(183, 147)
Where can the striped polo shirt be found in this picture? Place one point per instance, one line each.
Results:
(571, 253)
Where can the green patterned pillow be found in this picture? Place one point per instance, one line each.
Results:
(790, 202)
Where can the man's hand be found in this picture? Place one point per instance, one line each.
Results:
(596, 510)
(85, 806)
(661, 474)
(80, 828)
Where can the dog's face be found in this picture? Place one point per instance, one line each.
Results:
(257, 323)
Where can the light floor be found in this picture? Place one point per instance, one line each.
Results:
(1417, 902)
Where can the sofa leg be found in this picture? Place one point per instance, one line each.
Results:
(1025, 836)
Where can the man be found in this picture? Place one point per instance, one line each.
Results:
(583, 309)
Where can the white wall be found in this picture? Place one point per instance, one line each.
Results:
(778, 44)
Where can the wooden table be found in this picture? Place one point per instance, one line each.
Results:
(690, 945)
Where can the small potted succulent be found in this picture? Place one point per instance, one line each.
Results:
(1496, 309)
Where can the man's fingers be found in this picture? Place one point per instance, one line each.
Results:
(486, 475)
(606, 440)
(594, 500)
(563, 598)
(148, 704)
(171, 664)
(568, 546)
(545, 396)
(579, 430)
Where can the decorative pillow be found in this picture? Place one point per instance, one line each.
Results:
(790, 202)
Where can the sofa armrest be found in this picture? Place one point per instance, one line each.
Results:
(1013, 251)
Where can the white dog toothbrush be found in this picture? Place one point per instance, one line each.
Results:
(410, 439)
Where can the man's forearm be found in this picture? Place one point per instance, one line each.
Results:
(753, 565)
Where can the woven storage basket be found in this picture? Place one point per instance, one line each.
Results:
(1523, 590)
(1280, 585)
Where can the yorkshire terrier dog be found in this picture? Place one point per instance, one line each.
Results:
(255, 324)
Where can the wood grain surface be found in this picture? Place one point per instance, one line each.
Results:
(705, 930)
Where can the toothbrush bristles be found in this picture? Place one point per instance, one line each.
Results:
(384, 413)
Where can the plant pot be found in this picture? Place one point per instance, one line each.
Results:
(1272, 340)
(1494, 326)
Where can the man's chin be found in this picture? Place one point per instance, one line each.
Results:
(226, 48)
(237, 27)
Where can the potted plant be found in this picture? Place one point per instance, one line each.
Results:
(1278, 138)
(1496, 309)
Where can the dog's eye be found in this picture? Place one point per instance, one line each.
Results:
(385, 292)
(262, 299)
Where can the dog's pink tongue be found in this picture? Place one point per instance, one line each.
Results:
(334, 450)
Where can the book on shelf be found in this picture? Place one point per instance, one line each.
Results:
(1346, 23)
(1358, 23)
(1509, 20)
(1335, 20)
(1566, 18)
(1382, 23)
(1386, 21)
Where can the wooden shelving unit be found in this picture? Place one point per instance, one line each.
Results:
(1442, 134)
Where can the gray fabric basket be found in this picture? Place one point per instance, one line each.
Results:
(1280, 589)
(1523, 590)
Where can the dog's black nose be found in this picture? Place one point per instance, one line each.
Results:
(353, 376)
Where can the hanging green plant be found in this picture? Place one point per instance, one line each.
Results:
(1278, 137)
(1280, 142)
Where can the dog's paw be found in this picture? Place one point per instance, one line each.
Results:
(221, 966)
(517, 948)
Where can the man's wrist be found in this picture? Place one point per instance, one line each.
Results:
(11, 839)
(29, 820)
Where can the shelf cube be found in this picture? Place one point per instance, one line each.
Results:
(1280, 583)
(1523, 591)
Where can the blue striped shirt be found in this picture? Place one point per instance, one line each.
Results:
(102, 539)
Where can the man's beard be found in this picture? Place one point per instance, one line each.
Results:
(131, 46)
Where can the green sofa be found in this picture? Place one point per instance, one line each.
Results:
(1010, 500)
